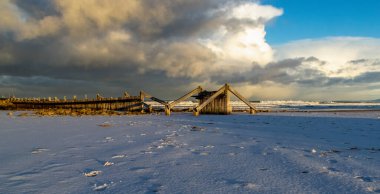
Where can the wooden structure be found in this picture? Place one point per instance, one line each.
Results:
(169, 106)
(219, 105)
(214, 102)
(125, 103)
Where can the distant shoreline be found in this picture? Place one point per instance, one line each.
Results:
(329, 110)
(80, 113)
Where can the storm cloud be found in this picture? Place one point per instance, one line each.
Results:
(66, 47)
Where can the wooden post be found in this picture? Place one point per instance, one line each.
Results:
(252, 109)
(167, 110)
(226, 105)
(142, 97)
(150, 108)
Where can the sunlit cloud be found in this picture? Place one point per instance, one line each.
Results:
(338, 54)
(146, 44)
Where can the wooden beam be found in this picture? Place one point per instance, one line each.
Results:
(167, 110)
(241, 98)
(148, 107)
(216, 94)
(146, 95)
(158, 100)
(186, 96)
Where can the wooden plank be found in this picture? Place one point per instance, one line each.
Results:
(210, 99)
(158, 100)
(186, 96)
(227, 102)
(240, 97)
(146, 95)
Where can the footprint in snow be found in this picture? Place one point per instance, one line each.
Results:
(241, 184)
(251, 186)
(39, 150)
(208, 146)
(308, 156)
(332, 161)
(364, 179)
(24, 176)
(119, 156)
(263, 169)
(105, 124)
(154, 188)
(104, 162)
(204, 153)
(238, 147)
(195, 128)
(373, 150)
(194, 151)
(108, 139)
(353, 148)
(108, 163)
(328, 170)
(101, 187)
(332, 169)
(140, 169)
(92, 173)
(373, 189)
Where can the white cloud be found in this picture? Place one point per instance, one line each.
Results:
(239, 47)
(337, 52)
(254, 11)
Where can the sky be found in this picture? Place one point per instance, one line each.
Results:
(323, 18)
(268, 50)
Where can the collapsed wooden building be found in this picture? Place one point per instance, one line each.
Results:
(209, 102)
(212, 102)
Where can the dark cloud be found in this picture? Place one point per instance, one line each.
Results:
(370, 62)
(64, 45)
(368, 77)
(68, 47)
(285, 72)
(299, 71)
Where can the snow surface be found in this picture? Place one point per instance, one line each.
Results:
(239, 153)
(284, 105)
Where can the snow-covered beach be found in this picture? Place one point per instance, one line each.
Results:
(321, 152)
